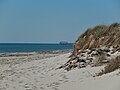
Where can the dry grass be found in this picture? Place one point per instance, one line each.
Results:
(112, 66)
(100, 60)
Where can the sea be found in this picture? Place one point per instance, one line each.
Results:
(33, 47)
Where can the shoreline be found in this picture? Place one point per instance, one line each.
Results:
(8, 54)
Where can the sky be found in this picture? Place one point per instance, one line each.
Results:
(51, 21)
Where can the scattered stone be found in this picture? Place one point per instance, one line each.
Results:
(94, 57)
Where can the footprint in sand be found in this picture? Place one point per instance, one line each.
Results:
(27, 87)
(41, 88)
(55, 88)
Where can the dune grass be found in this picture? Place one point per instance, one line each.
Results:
(113, 65)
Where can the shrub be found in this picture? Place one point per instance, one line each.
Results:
(112, 66)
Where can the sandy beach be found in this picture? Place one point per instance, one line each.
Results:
(59, 44)
(39, 72)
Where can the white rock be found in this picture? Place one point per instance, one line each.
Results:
(82, 63)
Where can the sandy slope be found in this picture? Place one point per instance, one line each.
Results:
(43, 75)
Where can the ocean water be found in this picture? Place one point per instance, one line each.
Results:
(27, 47)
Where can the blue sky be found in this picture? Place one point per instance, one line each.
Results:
(50, 21)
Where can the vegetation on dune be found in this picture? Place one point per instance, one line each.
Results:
(96, 47)
(113, 65)
(99, 35)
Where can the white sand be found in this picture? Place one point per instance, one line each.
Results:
(43, 75)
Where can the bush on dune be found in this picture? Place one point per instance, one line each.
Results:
(112, 66)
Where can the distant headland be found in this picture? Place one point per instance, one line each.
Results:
(63, 42)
